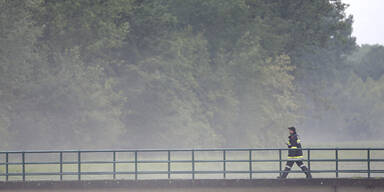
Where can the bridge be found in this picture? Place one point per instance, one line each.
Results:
(238, 169)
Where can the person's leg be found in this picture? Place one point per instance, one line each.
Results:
(305, 169)
(288, 168)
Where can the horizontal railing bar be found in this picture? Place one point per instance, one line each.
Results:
(354, 160)
(186, 172)
(57, 173)
(376, 159)
(353, 171)
(186, 161)
(104, 162)
(182, 172)
(180, 161)
(181, 150)
(377, 171)
(153, 161)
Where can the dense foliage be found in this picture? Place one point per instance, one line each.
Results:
(171, 73)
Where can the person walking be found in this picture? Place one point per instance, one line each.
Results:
(295, 155)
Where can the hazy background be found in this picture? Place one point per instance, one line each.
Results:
(176, 74)
(368, 25)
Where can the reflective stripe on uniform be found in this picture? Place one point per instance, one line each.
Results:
(296, 157)
(302, 165)
(298, 141)
(293, 147)
(288, 167)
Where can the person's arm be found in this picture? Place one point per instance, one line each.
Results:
(293, 141)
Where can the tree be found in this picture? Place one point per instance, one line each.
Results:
(18, 58)
(371, 62)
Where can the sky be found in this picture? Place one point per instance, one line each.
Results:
(368, 27)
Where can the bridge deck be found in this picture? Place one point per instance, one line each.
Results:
(273, 185)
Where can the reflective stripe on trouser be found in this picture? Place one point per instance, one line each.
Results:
(290, 165)
(295, 158)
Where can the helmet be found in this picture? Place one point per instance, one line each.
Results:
(292, 129)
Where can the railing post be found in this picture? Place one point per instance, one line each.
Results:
(23, 164)
(337, 162)
(114, 165)
(250, 164)
(369, 162)
(224, 164)
(309, 159)
(79, 165)
(280, 163)
(136, 165)
(61, 165)
(193, 164)
(6, 166)
(169, 164)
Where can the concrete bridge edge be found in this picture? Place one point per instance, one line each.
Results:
(205, 183)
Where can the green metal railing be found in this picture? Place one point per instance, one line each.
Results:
(248, 161)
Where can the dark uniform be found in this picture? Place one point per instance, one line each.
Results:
(295, 155)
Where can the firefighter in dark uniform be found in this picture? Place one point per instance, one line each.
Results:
(295, 154)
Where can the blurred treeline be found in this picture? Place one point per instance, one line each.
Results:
(181, 73)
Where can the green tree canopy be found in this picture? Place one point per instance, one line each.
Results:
(171, 73)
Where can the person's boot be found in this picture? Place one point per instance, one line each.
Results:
(285, 173)
(307, 172)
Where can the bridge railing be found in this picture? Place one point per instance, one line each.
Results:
(55, 165)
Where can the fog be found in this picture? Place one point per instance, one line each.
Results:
(368, 25)
(185, 74)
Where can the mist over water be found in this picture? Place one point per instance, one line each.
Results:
(185, 74)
